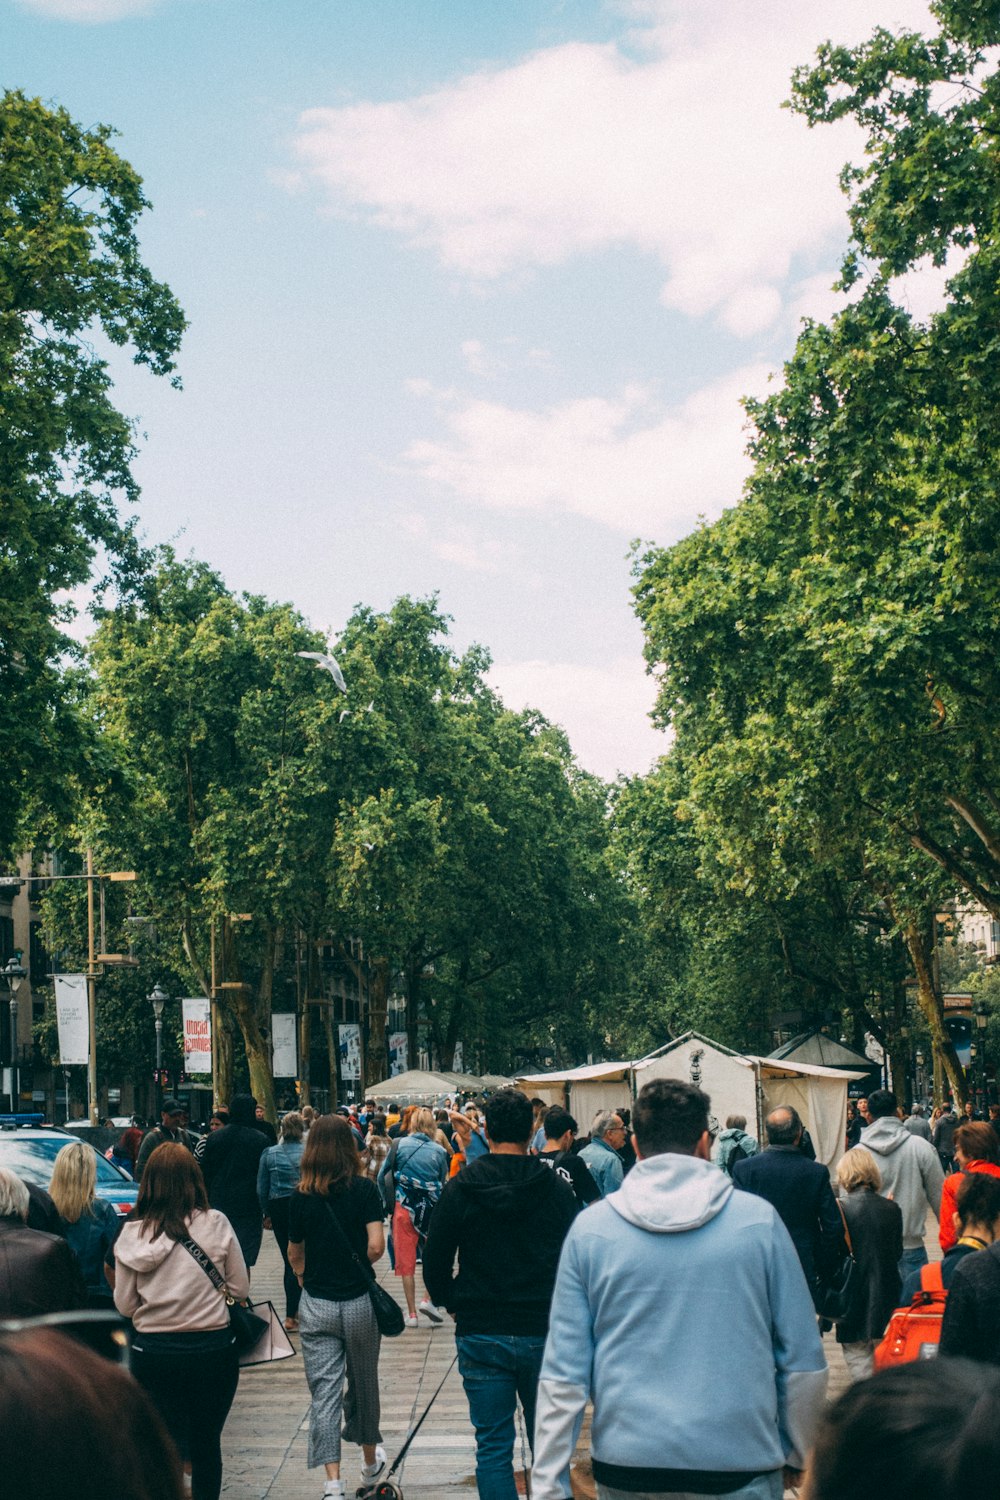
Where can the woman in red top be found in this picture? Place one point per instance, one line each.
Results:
(977, 1149)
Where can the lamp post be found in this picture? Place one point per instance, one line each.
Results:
(14, 974)
(158, 1000)
(982, 1020)
(919, 1060)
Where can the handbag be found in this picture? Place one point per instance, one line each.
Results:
(838, 1294)
(388, 1313)
(247, 1328)
(273, 1344)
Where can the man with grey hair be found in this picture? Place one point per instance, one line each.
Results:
(607, 1137)
(38, 1272)
(800, 1192)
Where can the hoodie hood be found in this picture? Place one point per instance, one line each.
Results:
(136, 1250)
(885, 1135)
(243, 1110)
(669, 1194)
(507, 1184)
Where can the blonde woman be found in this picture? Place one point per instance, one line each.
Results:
(876, 1229)
(91, 1225)
(419, 1168)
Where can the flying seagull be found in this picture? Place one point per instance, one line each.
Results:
(328, 663)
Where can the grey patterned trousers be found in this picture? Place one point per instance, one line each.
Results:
(340, 1339)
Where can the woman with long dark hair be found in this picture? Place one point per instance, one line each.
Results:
(334, 1232)
(183, 1351)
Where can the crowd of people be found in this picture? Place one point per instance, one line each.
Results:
(565, 1266)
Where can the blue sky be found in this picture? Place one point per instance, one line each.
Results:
(474, 289)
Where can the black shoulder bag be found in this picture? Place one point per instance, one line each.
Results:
(247, 1328)
(388, 1313)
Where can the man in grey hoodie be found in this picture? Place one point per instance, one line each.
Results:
(911, 1173)
(679, 1265)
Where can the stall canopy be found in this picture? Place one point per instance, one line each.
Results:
(413, 1087)
(584, 1090)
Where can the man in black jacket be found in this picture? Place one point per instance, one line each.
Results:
(232, 1156)
(800, 1191)
(505, 1215)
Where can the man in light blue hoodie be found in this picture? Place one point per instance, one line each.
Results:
(688, 1296)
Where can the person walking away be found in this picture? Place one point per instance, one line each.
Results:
(910, 1170)
(943, 1137)
(505, 1217)
(183, 1351)
(125, 1151)
(334, 1230)
(170, 1128)
(855, 1125)
(977, 1149)
(557, 1153)
(38, 1271)
(970, 1328)
(218, 1119)
(277, 1179)
(876, 1229)
(977, 1226)
(420, 1170)
(232, 1157)
(600, 1156)
(734, 1144)
(800, 1192)
(916, 1124)
(679, 1260)
(90, 1224)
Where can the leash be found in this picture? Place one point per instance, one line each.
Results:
(383, 1489)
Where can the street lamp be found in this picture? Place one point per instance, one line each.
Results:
(158, 1000)
(982, 1017)
(14, 974)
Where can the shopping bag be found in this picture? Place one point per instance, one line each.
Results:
(273, 1344)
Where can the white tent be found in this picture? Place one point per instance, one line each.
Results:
(585, 1090)
(752, 1086)
(413, 1087)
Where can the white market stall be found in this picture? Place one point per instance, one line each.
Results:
(584, 1091)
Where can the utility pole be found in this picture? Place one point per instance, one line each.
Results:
(91, 996)
(214, 1004)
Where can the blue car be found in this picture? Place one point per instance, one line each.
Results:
(30, 1151)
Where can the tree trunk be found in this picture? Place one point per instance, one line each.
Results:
(331, 1052)
(258, 1050)
(376, 1057)
(305, 1047)
(222, 1044)
(920, 945)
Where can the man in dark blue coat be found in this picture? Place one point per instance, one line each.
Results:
(799, 1190)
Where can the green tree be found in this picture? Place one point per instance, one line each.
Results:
(70, 267)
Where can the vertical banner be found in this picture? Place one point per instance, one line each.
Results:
(284, 1048)
(398, 1049)
(350, 1052)
(72, 1019)
(196, 1013)
(458, 1061)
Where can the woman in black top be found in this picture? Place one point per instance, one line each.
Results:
(334, 1232)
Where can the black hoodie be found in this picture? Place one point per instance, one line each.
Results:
(506, 1217)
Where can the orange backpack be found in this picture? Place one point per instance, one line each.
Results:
(914, 1332)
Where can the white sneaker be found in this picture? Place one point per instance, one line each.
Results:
(377, 1466)
(410, 1320)
(334, 1489)
(430, 1311)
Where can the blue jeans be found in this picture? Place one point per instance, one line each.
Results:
(496, 1369)
(912, 1260)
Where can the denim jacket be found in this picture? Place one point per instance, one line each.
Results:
(278, 1172)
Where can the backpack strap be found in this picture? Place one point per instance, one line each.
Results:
(930, 1277)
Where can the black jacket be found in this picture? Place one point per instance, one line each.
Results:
(230, 1163)
(971, 1326)
(800, 1191)
(876, 1227)
(506, 1218)
(38, 1273)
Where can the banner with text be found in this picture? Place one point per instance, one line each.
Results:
(398, 1050)
(350, 1052)
(197, 1018)
(284, 1052)
(72, 1019)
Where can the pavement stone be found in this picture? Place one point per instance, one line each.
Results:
(265, 1440)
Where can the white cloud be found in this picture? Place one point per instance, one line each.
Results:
(603, 709)
(626, 461)
(460, 546)
(681, 152)
(89, 11)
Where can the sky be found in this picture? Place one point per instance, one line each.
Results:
(474, 291)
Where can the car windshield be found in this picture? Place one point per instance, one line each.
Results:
(33, 1157)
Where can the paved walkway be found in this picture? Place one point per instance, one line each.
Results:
(264, 1444)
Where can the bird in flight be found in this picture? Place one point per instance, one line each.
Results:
(328, 663)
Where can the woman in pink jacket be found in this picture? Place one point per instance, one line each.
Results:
(183, 1351)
